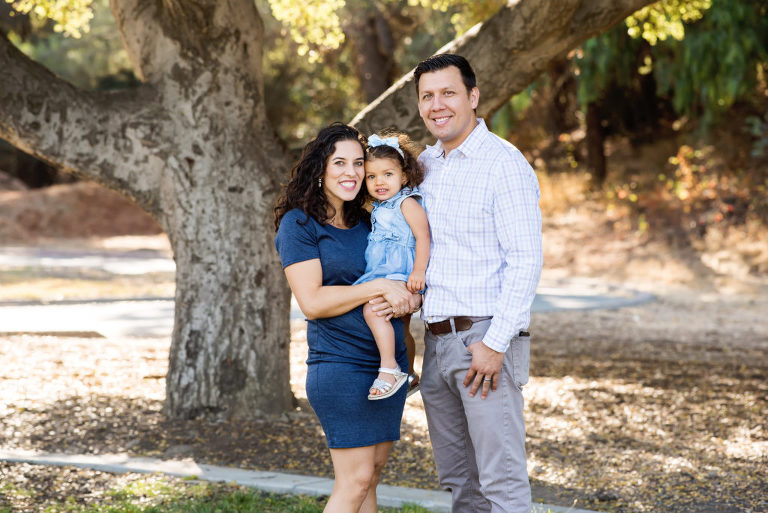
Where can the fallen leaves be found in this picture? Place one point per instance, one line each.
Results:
(635, 410)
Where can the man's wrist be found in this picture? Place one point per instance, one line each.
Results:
(491, 347)
(500, 346)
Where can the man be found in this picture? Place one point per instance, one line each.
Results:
(481, 198)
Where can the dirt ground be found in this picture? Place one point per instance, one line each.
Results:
(659, 407)
(79, 210)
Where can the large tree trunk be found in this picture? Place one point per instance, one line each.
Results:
(192, 147)
(507, 51)
(229, 354)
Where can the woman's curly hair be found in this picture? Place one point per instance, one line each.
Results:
(302, 190)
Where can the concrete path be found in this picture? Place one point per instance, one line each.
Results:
(153, 317)
(274, 482)
(150, 318)
(137, 261)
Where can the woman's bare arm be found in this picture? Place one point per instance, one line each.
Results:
(317, 301)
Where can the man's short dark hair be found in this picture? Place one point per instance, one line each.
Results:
(445, 60)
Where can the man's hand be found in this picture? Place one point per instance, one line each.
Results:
(485, 369)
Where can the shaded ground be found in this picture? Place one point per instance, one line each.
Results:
(659, 407)
(25, 487)
(654, 408)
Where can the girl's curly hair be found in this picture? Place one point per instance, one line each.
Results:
(302, 190)
(408, 160)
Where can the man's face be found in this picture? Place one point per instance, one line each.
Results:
(446, 107)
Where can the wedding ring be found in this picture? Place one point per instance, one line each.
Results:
(487, 379)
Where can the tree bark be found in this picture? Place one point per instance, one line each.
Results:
(192, 146)
(508, 51)
(374, 48)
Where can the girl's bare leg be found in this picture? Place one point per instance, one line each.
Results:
(384, 335)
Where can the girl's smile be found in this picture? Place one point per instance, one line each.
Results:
(384, 178)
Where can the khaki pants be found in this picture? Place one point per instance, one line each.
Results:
(478, 444)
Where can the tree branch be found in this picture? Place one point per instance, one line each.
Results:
(169, 37)
(75, 130)
(508, 52)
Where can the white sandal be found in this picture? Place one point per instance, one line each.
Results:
(388, 389)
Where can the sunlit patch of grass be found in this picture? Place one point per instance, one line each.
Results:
(12, 490)
(158, 494)
(11, 494)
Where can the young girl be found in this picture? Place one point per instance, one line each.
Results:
(398, 246)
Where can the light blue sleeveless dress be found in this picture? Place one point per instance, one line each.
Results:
(391, 245)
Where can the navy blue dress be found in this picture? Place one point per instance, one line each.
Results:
(343, 357)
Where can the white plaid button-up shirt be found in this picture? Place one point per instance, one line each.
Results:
(482, 203)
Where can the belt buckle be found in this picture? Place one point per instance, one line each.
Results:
(439, 327)
(464, 320)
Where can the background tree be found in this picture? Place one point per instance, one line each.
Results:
(193, 146)
(692, 58)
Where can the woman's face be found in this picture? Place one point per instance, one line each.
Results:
(344, 173)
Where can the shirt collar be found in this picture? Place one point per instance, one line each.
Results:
(469, 146)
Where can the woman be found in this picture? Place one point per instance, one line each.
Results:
(322, 231)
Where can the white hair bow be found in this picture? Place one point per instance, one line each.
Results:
(375, 140)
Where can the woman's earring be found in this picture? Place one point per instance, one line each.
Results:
(320, 182)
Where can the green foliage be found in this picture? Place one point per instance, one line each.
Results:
(717, 62)
(70, 17)
(612, 57)
(605, 60)
(303, 95)
(433, 29)
(702, 74)
(316, 28)
(313, 24)
(757, 128)
(464, 13)
(96, 60)
(512, 112)
(664, 19)
(306, 95)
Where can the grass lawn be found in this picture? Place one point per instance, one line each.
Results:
(154, 493)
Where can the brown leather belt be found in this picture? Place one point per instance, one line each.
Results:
(462, 323)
